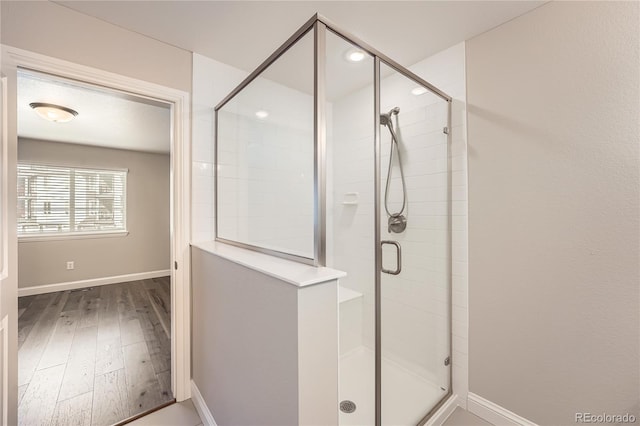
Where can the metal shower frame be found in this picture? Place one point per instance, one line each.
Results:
(319, 25)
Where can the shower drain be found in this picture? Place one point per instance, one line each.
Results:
(347, 406)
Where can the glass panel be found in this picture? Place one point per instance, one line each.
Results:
(265, 157)
(414, 214)
(350, 219)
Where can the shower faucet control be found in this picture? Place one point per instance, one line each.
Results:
(397, 223)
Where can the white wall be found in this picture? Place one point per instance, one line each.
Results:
(146, 248)
(53, 30)
(554, 125)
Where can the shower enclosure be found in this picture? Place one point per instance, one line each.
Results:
(331, 154)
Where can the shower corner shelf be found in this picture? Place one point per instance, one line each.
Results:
(350, 199)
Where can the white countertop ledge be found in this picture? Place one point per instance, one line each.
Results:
(297, 274)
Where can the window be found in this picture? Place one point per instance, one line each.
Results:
(54, 200)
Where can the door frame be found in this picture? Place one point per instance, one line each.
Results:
(180, 200)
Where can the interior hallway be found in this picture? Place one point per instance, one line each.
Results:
(94, 356)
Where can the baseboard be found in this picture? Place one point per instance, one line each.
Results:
(4, 326)
(493, 413)
(443, 413)
(201, 406)
(73, 285)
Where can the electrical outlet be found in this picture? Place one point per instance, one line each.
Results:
(70, 266)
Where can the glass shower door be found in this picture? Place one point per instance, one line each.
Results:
(414, 233)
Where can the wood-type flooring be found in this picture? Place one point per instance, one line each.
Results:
(94, 356)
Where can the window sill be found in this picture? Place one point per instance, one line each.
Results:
(71, 236)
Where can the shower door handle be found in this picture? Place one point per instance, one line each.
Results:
(398, 252)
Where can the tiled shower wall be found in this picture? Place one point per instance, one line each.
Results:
(212, 81)
(266, 173)
(265, 165)
(415, 303)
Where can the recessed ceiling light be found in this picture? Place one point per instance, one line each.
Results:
(262, 114)
(55, 113)
(419, 91)
(355, 55)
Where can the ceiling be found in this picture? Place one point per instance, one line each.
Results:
(105, 118)
(244, 33)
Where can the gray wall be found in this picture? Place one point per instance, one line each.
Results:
(553, 126)
(146, 248)
(264, 352)
(245, 360)
(79, 38)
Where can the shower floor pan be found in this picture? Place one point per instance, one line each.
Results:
(406, 397)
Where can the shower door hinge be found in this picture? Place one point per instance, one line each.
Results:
(175, 264)
(447, 360)
(445, 130)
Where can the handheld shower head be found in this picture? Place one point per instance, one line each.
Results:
(385, 119)
(397, 221)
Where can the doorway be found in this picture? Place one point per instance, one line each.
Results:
(94, 252)
(15, 60)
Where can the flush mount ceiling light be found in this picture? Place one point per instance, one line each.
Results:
(419, 91)
(355, 55)
(262, 114)
(55, 113)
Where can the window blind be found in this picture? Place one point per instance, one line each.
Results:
(55, 200)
